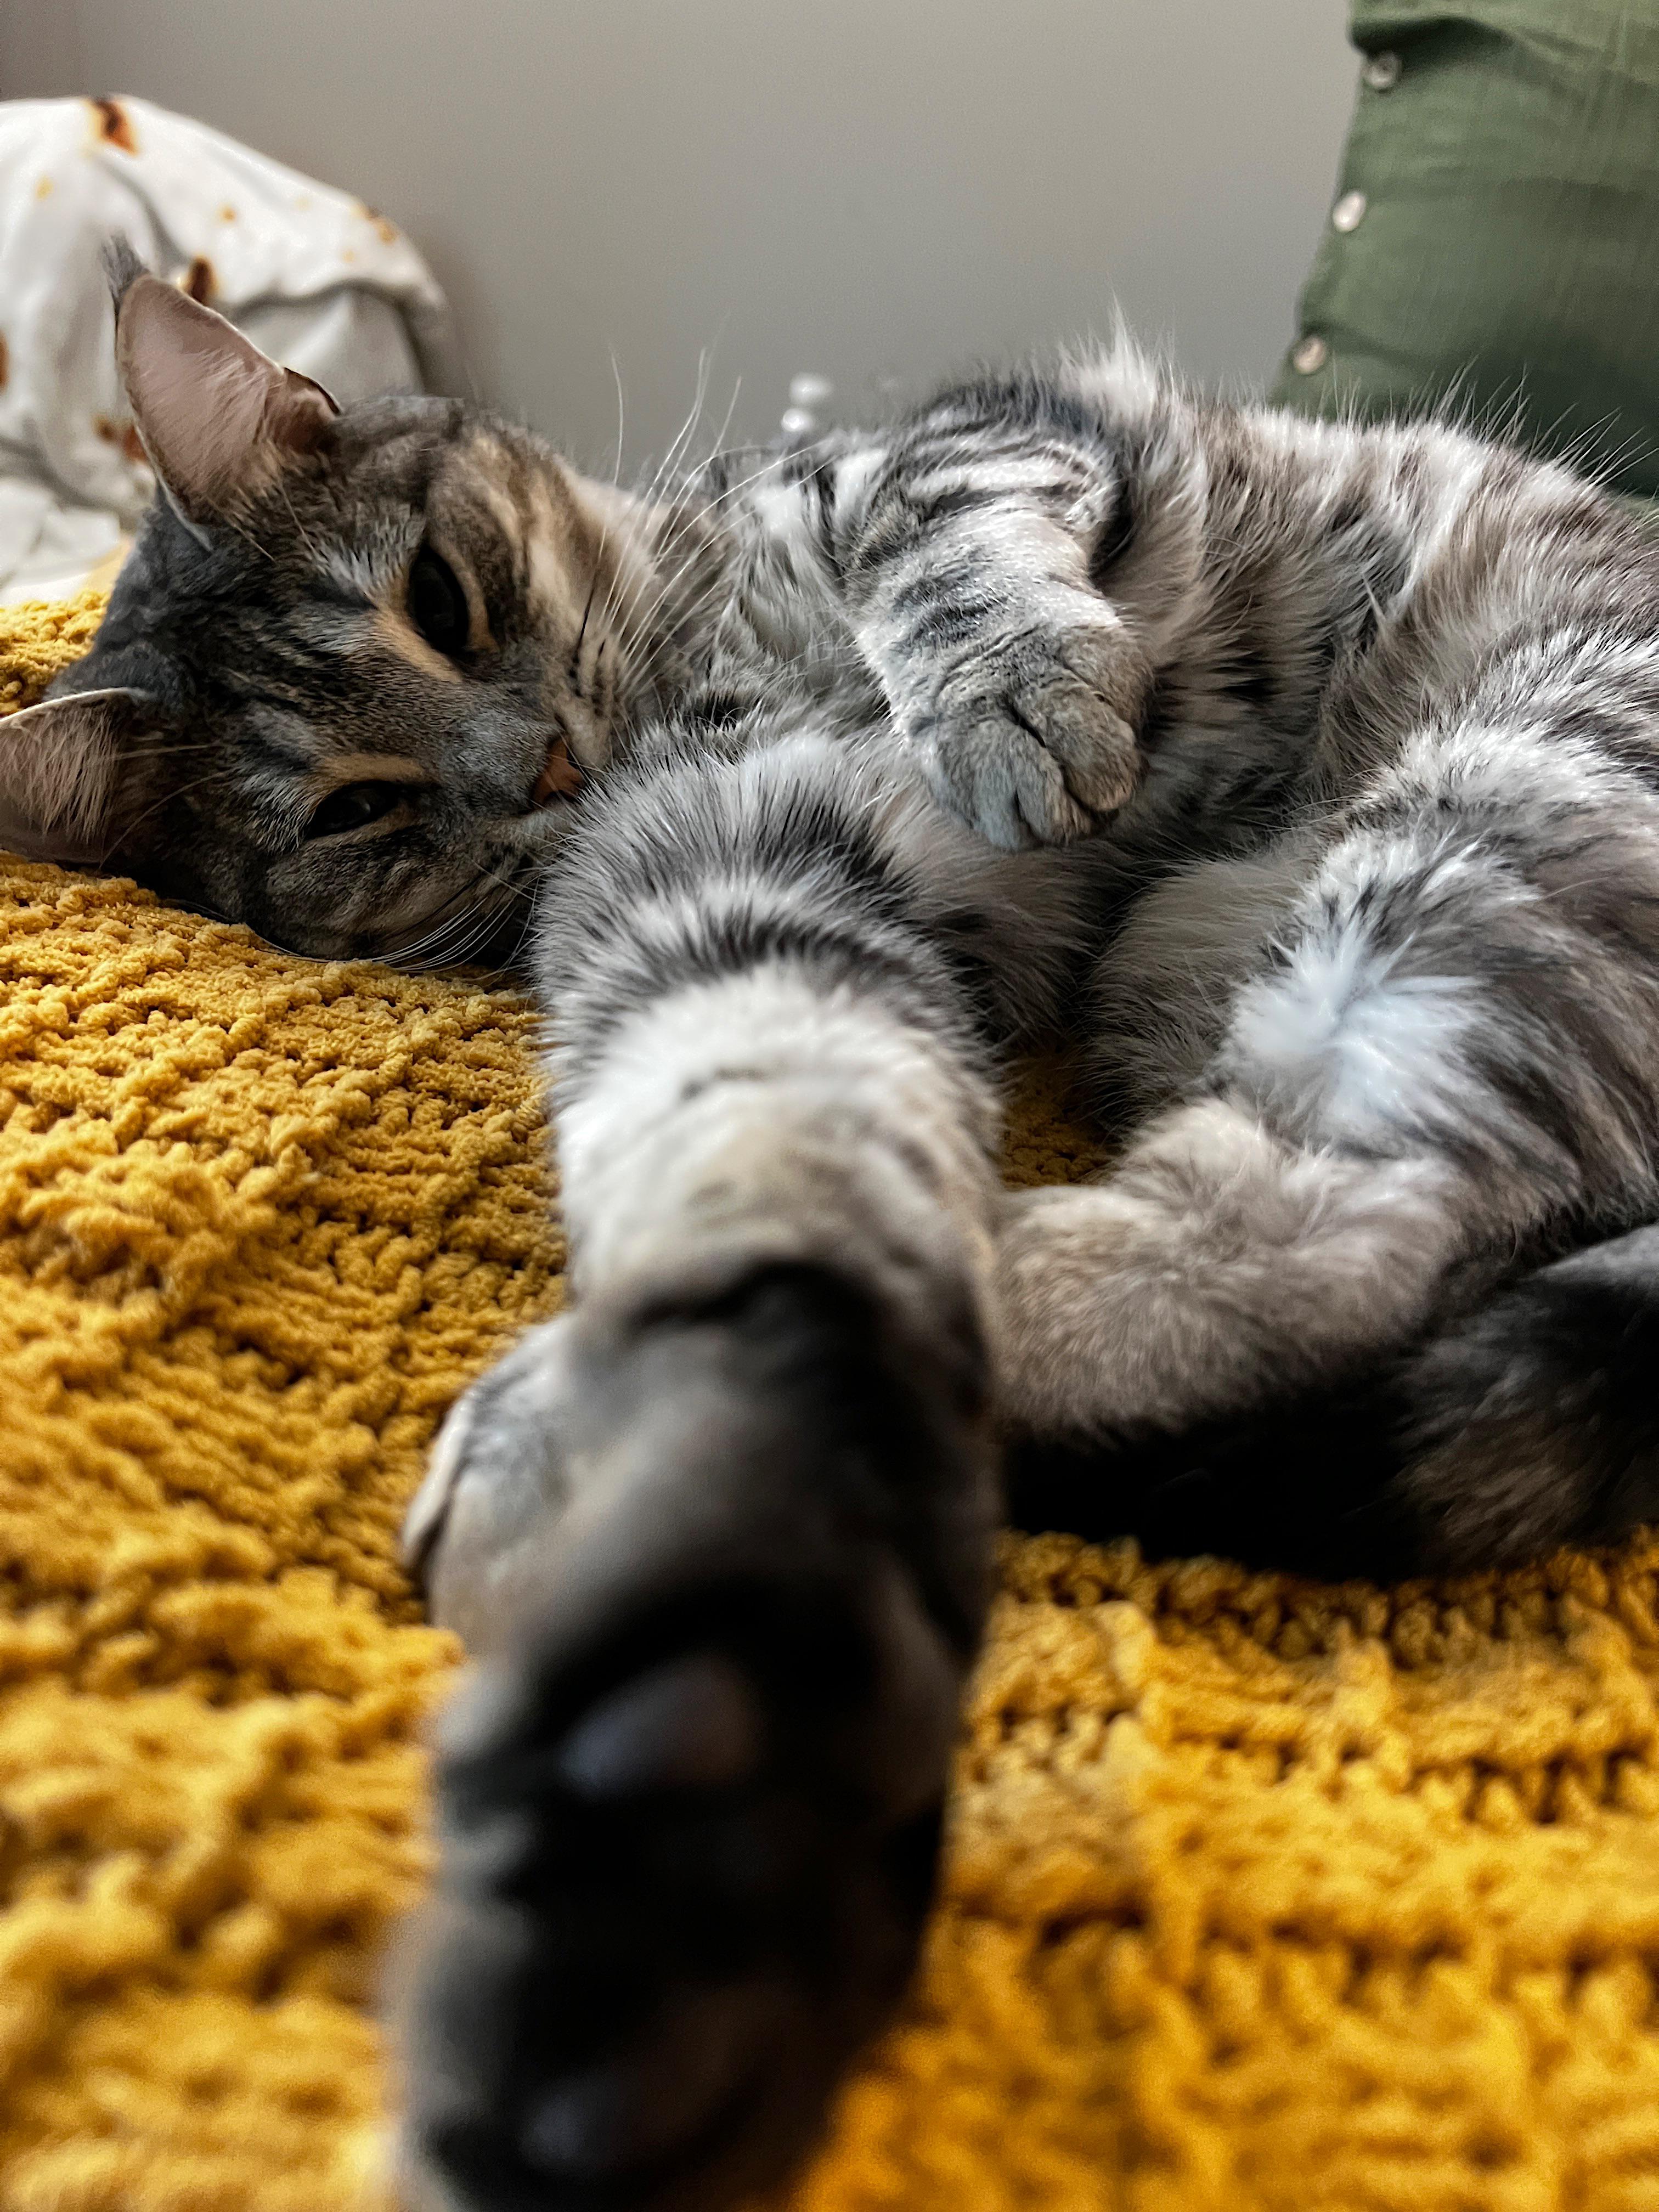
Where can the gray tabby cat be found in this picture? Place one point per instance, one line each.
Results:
(1304, 778)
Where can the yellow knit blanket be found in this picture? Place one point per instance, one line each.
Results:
(1259, 1895)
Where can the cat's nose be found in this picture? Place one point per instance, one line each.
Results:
(560, 777)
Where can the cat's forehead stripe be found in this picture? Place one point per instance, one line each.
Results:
(505, 516)
(553, 557)
(368, 767)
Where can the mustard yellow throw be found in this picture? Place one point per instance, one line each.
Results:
(1260, 1894)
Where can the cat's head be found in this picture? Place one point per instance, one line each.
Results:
(354, 670)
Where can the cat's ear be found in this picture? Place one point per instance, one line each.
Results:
(59, 764)
(220, 422)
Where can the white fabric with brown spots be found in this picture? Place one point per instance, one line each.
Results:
(322, 282)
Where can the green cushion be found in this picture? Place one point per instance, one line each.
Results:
(1494, 243)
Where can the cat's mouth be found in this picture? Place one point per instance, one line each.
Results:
(560, 778)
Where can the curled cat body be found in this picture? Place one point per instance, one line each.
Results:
(1302, 780)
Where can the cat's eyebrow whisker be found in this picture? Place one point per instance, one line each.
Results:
(720, 435)
(683, 492)
(172, 747)
(604, 530)
(635, 633)
(685, 497)
(695, 605)
(688, 428)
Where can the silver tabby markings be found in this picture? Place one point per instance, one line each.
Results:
(1303, 779)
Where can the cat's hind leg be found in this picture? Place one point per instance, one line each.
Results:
(1217, 1267)
(1448, 1056)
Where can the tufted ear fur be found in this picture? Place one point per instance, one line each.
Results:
(220, 421)
(58, 772)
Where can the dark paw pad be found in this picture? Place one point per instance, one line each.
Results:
(694, 1723)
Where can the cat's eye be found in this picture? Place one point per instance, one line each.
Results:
(353, 806)
(437, 604)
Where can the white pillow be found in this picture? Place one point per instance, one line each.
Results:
(317, 279)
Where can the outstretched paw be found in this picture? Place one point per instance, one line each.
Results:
(1030, 739)
(731, 1565)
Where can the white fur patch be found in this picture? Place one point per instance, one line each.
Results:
(1343, 1049)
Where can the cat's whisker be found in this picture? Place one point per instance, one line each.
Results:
(304, 535)
(524, 928)
(660, 646)
(725, 424)
(181, 791)
(643, 617)
(670, 461)
(437, 919)
(486, 921)
(685, 493)
(250, 540)
(464, 920)
(576, 650)
(616, 371)
(671, 516)
(430, 949)
(172, 748)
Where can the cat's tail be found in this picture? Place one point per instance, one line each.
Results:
(1527, 1424)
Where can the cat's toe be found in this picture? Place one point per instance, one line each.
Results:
(1031, 740)
(694, 1721)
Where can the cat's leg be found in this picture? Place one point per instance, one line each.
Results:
(1220, 1266)
(1522, 1422)
(718, 1538)
(1450, 1052)
(1019, 561)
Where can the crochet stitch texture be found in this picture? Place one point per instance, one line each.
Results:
(1261, 1896)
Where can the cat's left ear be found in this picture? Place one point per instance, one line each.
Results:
(220, 422)
(59, 770)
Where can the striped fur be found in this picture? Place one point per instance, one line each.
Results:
(1302, 779)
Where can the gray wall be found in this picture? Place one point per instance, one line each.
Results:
(874, 190)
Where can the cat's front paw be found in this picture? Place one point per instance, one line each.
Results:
(1030, 739)
(724, 1569)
